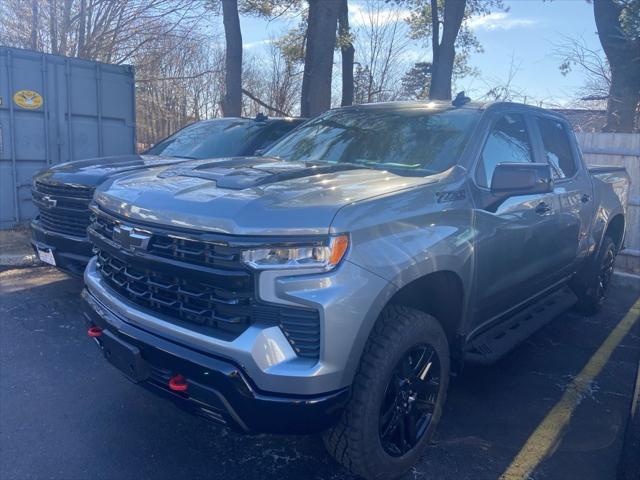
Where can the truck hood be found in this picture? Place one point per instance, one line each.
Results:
(247, 195)
(93, 171)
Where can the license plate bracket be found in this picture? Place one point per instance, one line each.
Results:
(46, 255)
(125, 357)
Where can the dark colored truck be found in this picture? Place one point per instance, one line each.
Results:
(62, 193)
(334, 283)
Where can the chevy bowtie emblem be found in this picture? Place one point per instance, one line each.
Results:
(131, 238)
(48, 202)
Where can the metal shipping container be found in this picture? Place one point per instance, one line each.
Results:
(54, 109)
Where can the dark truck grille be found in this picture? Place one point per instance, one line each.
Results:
(70, 215)
(222, 304)
(65, 190)
(182, 249)
(61, 222)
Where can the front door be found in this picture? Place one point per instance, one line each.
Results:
(514, 238)
(573, 202)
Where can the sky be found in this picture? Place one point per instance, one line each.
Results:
(529, 33)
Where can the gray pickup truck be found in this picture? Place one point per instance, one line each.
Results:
(336, 282)
(63, 192)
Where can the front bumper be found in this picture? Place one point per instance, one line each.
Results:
(71, 253)
(348, 299)
(218, 389)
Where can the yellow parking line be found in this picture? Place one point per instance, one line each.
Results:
(548, 434)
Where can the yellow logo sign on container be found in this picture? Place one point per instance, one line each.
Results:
(28, 99)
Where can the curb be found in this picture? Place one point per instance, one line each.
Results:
(17, 260)
(624, 279)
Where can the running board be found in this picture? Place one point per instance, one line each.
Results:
(501, 339)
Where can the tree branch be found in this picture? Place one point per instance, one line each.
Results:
(265, 105)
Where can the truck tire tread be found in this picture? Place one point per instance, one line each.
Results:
(344, 441)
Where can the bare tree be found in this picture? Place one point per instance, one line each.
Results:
(183, 84)
(575, 53)
(504, 89)
(106, 30)
(318, 65)
(34, 24)
(381, 41)
(442, 24)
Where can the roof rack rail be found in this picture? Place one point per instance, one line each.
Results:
(460, 100)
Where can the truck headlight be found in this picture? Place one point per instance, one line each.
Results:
(321, 256)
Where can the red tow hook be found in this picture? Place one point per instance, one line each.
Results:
(94, 332)
(178, 383)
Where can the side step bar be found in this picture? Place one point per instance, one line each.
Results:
(504, 337)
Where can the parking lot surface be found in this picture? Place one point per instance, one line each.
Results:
(67, 414)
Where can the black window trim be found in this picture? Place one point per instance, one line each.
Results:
(568, 132)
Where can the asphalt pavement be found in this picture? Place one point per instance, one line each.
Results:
(67, 414)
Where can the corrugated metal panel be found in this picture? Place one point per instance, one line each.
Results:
(81, 109)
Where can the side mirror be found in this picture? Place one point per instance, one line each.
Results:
(259, 152)
(511, 179)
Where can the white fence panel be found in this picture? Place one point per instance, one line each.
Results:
(620, 149)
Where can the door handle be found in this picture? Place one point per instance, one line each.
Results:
(585, 198)
(542, 208)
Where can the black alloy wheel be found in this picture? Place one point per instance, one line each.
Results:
(605, 273)
(409, 400)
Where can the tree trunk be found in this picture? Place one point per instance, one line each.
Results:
(318, 59)
(622, 54)
(624, 97)
(443, 68)
(232, 100)
(53, 25)
(348, 53)
(435, 36)
(82, 16)
(34, 24)
(66, 26)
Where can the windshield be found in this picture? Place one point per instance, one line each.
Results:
(413, 141)
(209, 139)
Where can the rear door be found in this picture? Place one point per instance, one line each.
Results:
(513, 236)
(572, 199)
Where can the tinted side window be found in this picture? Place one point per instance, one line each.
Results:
(273, 134)
(507, 142)
(557, 147)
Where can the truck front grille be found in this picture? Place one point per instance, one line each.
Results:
(63, 208)
(216, 308)
(178, 248)
(198, 285)
(61, 222)
(63, 190)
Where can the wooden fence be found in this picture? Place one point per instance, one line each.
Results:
(620, 149)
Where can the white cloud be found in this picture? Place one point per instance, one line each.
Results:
(255, 44)
(361, 15)
(498, 21)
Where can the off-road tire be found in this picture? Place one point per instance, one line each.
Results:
(355, 441)
(590, 292)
